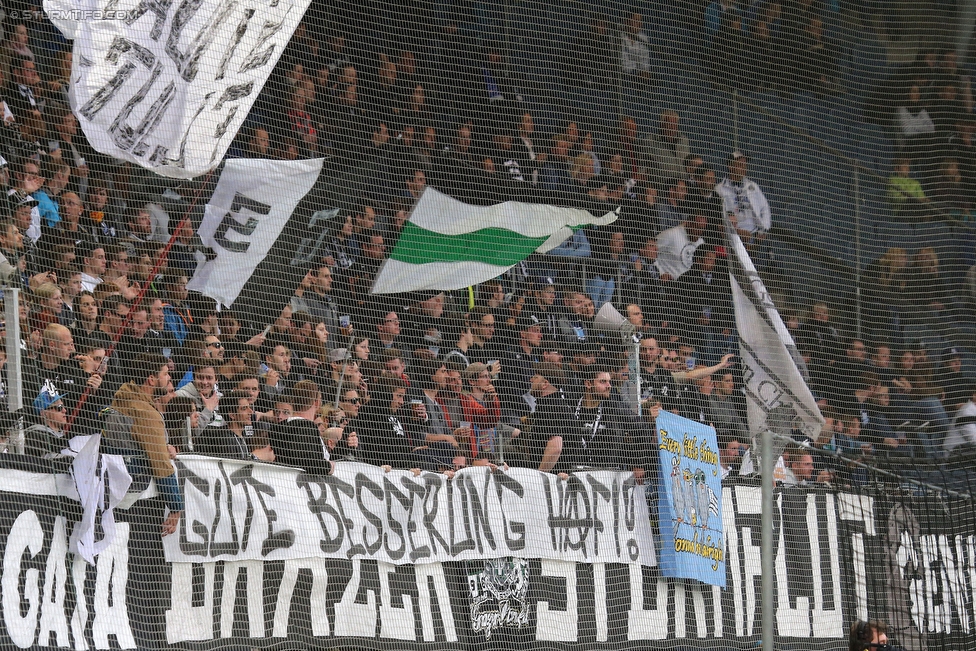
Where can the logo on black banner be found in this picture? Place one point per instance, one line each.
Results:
(499, 595)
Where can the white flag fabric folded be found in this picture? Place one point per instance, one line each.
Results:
(167, 85)
(777, 395)
(101, 481)
(675, 251)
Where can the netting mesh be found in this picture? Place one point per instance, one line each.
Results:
(459, 324)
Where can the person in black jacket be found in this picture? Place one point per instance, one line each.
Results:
(601, 433)
(297, 441)
(236, 439)
(389, 441)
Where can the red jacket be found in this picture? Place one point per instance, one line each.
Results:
(481, 416)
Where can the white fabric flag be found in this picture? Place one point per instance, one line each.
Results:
(450, 244)
(102, 481)
(167, 85)
(675, 251)
(249, 209)
(777, 396)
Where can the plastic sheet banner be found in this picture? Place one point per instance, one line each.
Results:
(167, 85)
(690, 508)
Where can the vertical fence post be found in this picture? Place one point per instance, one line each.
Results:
(735, 119)
(15, 391)
(857, 251)
(767, 463)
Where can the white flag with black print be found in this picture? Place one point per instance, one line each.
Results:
(167, 85)
(253, 207)
(777, 395)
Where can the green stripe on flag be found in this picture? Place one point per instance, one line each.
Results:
(494, 246)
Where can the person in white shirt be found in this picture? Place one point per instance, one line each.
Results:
(744, 202)
(962, 434)
(93, 264)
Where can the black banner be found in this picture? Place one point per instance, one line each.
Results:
(840, 557)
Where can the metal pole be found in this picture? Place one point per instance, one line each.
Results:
(857, 250)
(15, 390)
(768, 613)
(735, 119)
(11, 308)
(637, 373)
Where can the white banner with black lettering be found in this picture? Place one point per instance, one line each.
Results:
(777, 396)
(167, 85)
(249, 209)
(245, 511)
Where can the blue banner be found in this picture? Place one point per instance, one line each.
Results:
(690, 508)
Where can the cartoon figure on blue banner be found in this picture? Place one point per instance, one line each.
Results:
(693, 540)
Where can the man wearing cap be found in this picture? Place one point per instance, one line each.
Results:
(549, 419)
(744, 200)
(23, 210)
(47, 438)
(517, 364)
(340, 358)
(542, 305)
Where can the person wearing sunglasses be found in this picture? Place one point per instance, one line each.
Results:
(870, 636)
(46, 438)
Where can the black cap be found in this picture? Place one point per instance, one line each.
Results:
(526, 322)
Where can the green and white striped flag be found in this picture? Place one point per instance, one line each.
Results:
(450, 244)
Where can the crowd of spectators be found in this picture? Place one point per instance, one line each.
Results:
(516, 373)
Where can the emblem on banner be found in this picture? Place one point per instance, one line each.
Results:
(499, 594)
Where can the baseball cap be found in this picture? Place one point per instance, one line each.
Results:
(542, 283)
(952, 352)
(474, 370)
(736, 155)
(45, 399)
(526, 322)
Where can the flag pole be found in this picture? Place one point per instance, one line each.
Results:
(766, 477)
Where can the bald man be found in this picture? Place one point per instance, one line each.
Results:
(56, 371)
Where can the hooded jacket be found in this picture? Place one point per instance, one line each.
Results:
(149, 431)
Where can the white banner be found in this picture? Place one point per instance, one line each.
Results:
(250, 207)
(777, 397)
(167, 85)
(238, 511)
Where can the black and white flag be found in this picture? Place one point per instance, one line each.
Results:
(262, 229)
(777, 395)
(167, 85)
